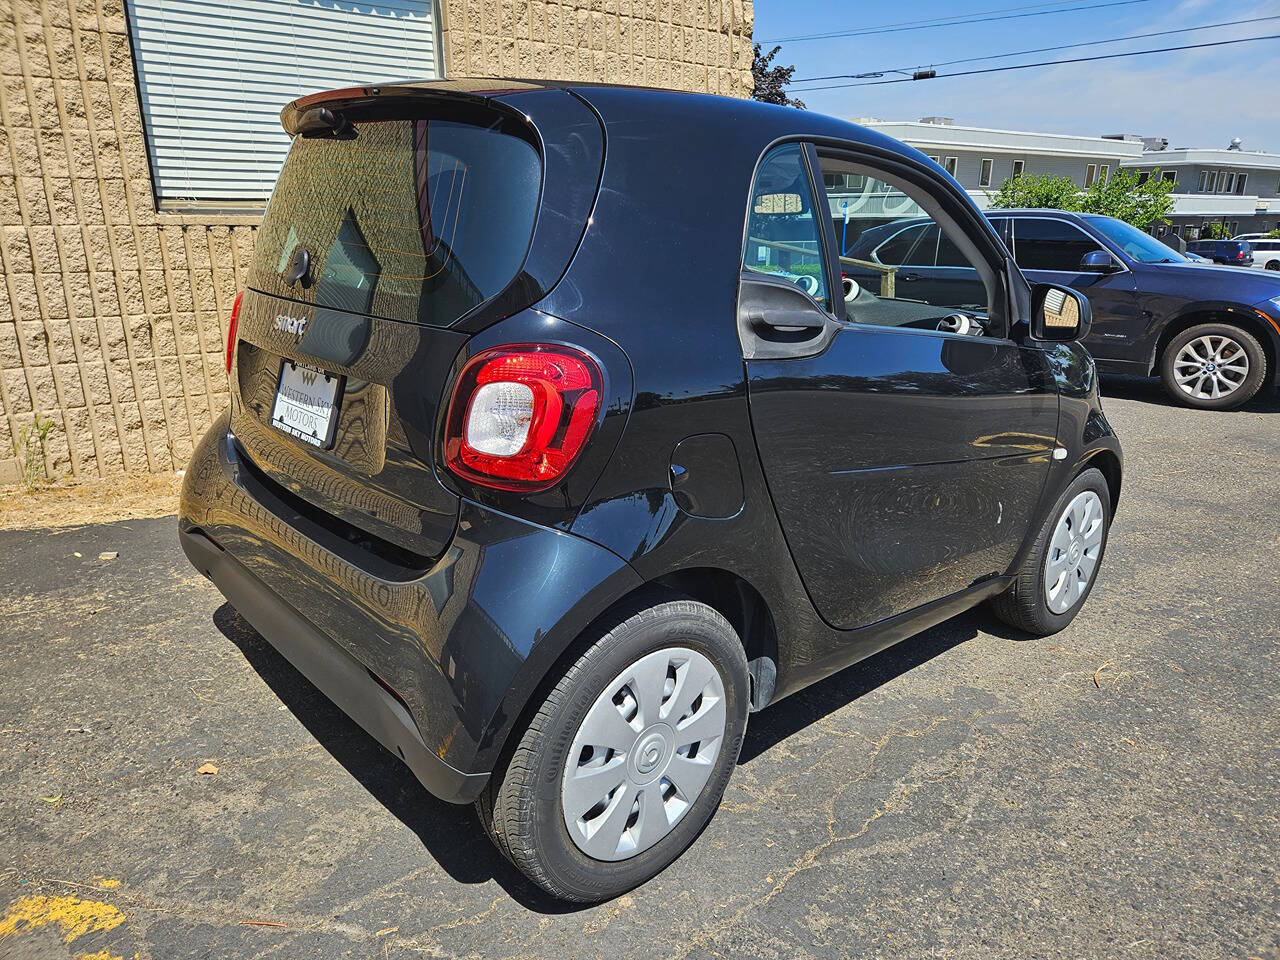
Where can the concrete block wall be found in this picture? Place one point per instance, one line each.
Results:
(697, 45)
(112, 314)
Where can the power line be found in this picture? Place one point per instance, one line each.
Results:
(959, 20)
(931, 21)
(1045, 63)
(1020, 53)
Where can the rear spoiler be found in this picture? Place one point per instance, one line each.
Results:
(319, 112)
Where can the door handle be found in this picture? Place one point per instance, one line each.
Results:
(908, 277)
(788, 322)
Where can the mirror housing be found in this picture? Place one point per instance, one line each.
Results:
(1097, 261)
(1059, 314)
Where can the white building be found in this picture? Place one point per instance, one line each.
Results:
(981, 158)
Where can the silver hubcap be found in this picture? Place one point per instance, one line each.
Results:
(1073, 552)
(643, 753)
(1210, 367)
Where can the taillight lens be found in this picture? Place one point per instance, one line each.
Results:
(231, 330)
(521, 415)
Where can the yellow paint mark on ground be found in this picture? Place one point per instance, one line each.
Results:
(100, 955)
(76, 917)
(106, 883)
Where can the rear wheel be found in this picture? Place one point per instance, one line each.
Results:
(626, 759)
(1213, 366)
(1273, 264)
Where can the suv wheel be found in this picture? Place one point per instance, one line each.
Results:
(626, 760)
(1059, 571)
(1213, 366)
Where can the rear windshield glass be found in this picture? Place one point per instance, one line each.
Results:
(417, 220)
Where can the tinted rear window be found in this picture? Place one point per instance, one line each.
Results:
(419, 220)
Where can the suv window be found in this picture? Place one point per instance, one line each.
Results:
(1040, 243)
(914, 246)
(784, 238)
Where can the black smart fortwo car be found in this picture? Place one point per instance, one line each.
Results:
(562, 437)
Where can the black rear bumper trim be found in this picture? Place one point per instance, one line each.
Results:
(333, 671)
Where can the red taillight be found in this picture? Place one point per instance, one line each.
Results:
(1240, 255)
(520, 415)
(231, 331)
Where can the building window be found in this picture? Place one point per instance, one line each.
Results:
(1143, 177)
(987, 164)
(1090, 174)
(1018, 167)
(1235, 227)
(1213, 180)
(952, 165)
(1228, 183)
(1202, 185)
(1169, 176)
(212, 77)
(1176, 229)
(1103, 171)
(935, 160)
(1240, 182)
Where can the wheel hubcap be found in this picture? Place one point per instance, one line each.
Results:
(1073, 552)
(643, 753)
(1210, 367)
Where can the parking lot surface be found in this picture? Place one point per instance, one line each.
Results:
(1110, 791)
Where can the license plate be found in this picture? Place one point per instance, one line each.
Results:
(306, 401)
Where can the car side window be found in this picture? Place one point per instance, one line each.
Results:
(899, 265)
(784, 235)
(1040, 243)
(916, 245)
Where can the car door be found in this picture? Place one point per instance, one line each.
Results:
(1050, 250)
(904, 462)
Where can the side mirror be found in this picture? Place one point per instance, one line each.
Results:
(1059, 314)
(1097, 261)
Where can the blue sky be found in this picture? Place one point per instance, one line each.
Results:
(1198, 98)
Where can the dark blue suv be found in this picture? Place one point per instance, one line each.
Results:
(1211, 333)
(1233, 253)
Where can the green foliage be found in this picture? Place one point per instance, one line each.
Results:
(1215, 231)
(30, 448)
(1274, 234)
(1038, 191)
(1121, 196)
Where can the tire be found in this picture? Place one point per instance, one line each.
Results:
(1195, 345)
(1026, 605)
(1273, 264)
(523, 807)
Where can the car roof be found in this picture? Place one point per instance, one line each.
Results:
(1035, 212)
(752, 120)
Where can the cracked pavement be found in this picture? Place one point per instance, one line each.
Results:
(1110, 791)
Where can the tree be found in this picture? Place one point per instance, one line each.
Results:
(1122, 196)
(1038, 191)
(771, 82)
(1215, 231)
(1274, 234)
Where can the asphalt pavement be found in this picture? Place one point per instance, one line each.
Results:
(1113, 791)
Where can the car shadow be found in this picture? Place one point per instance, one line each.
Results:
(774, 724)
(1151, 390)
(453, 835)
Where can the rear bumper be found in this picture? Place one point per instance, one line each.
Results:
(337, 674)
(437, 665)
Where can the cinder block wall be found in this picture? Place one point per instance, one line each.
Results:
(113, 315)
